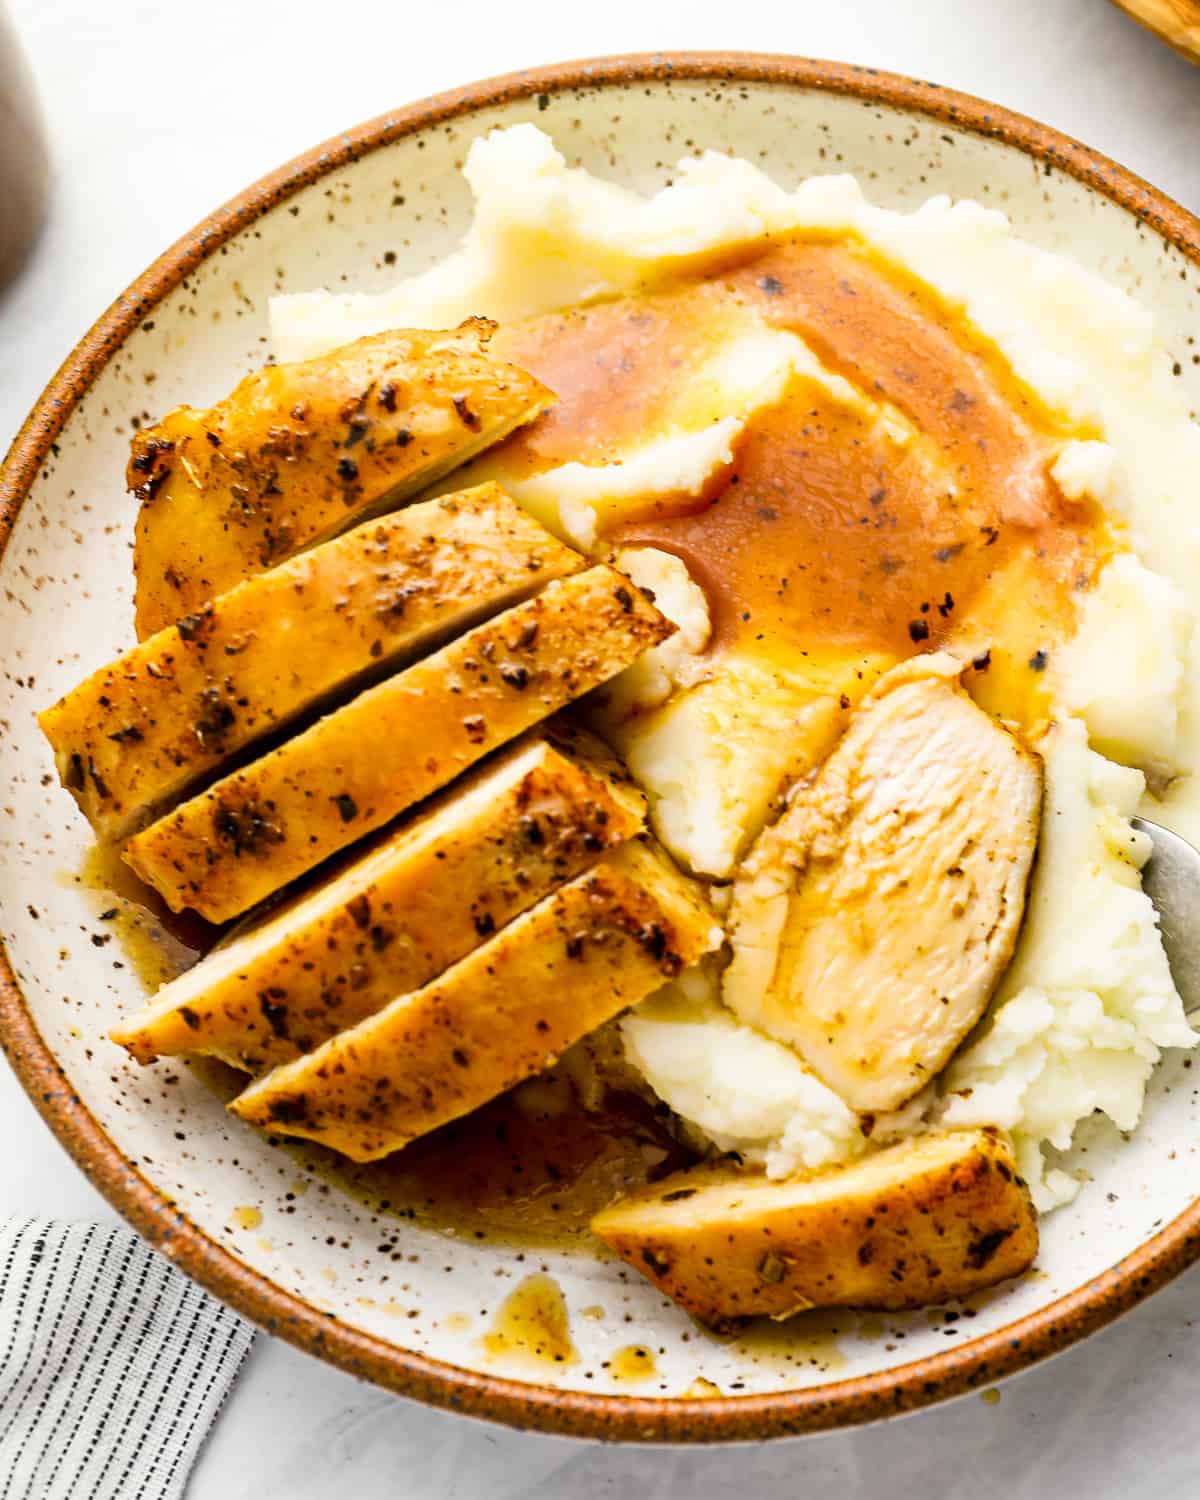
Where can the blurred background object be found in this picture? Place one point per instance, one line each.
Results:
(24, 160)
(1176, 22)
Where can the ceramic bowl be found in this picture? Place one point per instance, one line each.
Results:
(385, 1299)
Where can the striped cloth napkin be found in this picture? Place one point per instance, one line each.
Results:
(113, 1364)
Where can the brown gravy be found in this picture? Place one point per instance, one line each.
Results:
(532, 1325)
(522, 1175)
(158, 943)
(835, 532)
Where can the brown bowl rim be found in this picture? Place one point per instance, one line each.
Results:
(628, 1418)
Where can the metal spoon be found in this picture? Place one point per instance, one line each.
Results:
(1171, 878)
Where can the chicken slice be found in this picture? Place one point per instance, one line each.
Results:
(503, 1013)
(300, 452)
(871, 924)
(253, 831)
(486, 851)
(929, 1219)
(140, 731)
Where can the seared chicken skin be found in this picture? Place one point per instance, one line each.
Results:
(255, 830)
(506, 1011)
(871, 924)
(300, 452)
(488, 849)
(138, 732)
(929, 1219)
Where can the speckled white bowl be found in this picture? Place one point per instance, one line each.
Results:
(240, 1216)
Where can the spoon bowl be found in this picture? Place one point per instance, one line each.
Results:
(1171, 878)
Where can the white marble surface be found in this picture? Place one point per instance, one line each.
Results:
(158, 112)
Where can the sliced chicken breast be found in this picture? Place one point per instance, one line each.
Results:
(396, 917)
(140, 731)
(871, 924)
(929, 1219)
(300, 452)
(259, 828)
(505, 1012)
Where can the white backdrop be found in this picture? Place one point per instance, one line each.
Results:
(160, 110)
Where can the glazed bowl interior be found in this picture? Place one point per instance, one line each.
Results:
(400, 1304)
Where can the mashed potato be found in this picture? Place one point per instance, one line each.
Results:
(734, 1086)
(572, 498)
(545, 236)
(714, 757)
(1123, 673)
(660, 672)
(1088, 1003)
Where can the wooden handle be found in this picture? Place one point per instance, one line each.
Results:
(1176, 22)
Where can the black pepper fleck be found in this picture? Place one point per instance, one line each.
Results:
(465, 415)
